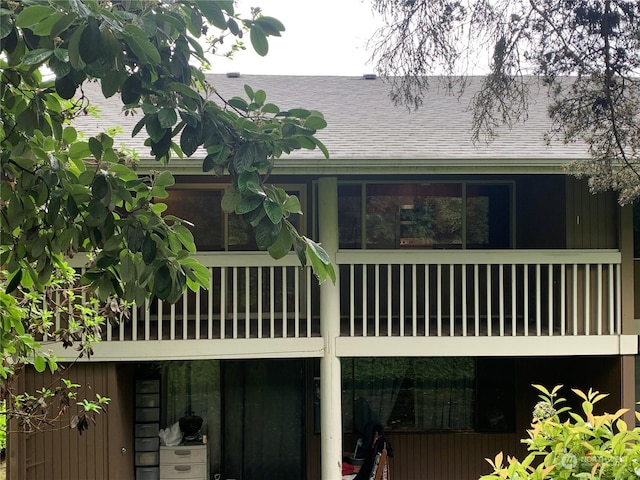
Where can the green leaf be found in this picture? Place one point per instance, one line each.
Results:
(316, 256)
(14, 281)
(321, 146)
(270, 108)
(259, 41)
(96, 148)
(260, 97)
(167, 117)
(6, 25)
(69, 135)
(213, 13)
(63, 24)
(74, 49)
(44, 27)
(282, 244)
(315, 122)
(249, 91)
(140, 44)
(230, 200)
(249, 182)
(111, 82)
(39, 364)
(37, 56)
(79, 150)
(292, 205)
(274, 210)
(248, 204)
(190, 140)
(33, 15)
(165, 179)
(270, 25)
(267, 233)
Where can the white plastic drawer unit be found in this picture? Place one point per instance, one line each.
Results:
(186, 461)
(183, 470)
(183, 454)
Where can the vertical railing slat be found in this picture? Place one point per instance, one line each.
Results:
(185, 315)
(401, 299)
(147, 319)
(352, 304)
(538, 301)
(198, 313)
(210, 305)
(427, 306)
(247, 302)
(464, 300)
(525, 296)
(587, 300)
(389, 304)
(439, 299)
(514, 309)
(364, 300)
(563, 299)
(618, 300)
(414, 300)
(611, 310)
(285, 306)
(160, 319)
(452, 300)
(574, 293)
(476, 298)
(599, 298)
(489, 303)
(550, 320)
(259, 294)
(272, 298)
(296, 302)
(501, 295)
(377, 299)
(223, 301)
(307, 271)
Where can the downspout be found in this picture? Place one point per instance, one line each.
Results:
(330, 373)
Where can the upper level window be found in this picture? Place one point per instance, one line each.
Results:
(212, 229)
(428, 215)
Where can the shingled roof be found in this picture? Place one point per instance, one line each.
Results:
(367, 131)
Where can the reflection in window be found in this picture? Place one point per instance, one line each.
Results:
(213, 230)
(431, 215)
(409, 393)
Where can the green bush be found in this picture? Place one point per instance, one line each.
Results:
(568, 445)
(3, 426)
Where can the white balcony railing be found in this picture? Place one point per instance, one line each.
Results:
(480, 293)
(437, 293)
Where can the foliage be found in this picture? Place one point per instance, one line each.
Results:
(63, 193)
(3, 425)
(566, 444)
(586, 51)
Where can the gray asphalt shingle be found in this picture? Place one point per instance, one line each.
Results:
(364, 125)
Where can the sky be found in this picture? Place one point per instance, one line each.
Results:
(322, 37)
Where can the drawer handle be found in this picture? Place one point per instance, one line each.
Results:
(182, 452)
(182, 468)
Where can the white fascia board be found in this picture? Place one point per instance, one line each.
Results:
(229, 349)
(359, 166)
(487, 346)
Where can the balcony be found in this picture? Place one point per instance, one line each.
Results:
(392, 301)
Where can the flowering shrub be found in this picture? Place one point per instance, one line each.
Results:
(566, 445)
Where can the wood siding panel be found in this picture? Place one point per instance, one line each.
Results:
(59, 453)
(592, 220)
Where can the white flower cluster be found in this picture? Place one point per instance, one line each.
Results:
(543, 409)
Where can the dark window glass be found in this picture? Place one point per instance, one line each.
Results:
(409, 393)
(488, 216)
(350, 216)
(202, 208)
(431, 215)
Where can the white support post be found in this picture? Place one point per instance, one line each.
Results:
(330, 374)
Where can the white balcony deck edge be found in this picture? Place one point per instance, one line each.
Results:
(486, 346)
(226, 349)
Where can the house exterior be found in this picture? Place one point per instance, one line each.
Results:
(466, 273)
